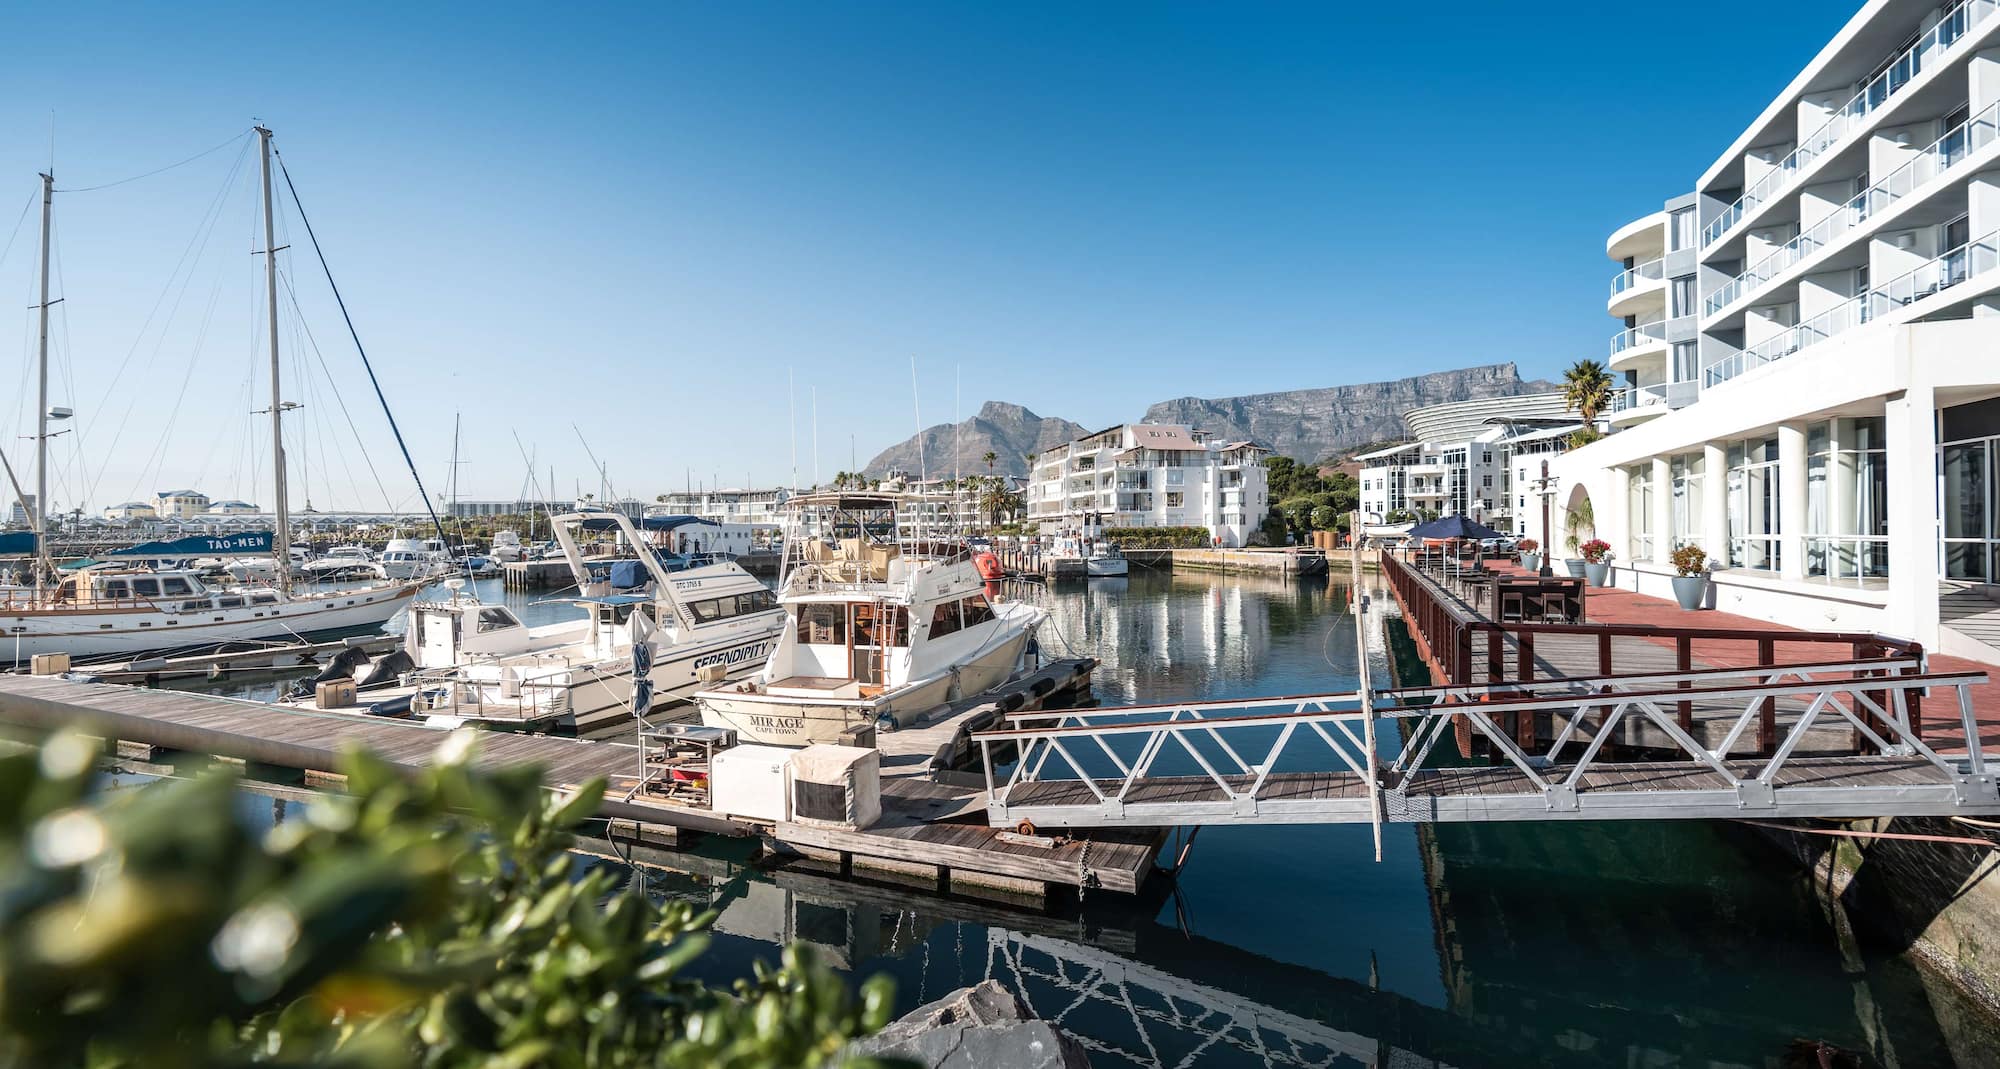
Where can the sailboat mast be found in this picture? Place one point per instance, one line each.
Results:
(282, 550)
(41, 513)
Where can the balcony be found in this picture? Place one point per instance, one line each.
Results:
(1638, 290)
(1925, 281)
(1958, 143)
(1135, 502)
(1926, 52)
(1637, 404)
(1638, 346)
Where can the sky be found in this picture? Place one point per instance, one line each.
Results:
(606, 237)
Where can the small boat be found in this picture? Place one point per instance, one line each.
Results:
(506, 547)
(343, 562)
(415, 558)
(1105, 560)
(880, 630)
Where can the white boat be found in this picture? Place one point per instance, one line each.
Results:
(467, 661)
(415, 558)
(506, 547)
(126, 609)
(880, 631)
(1105, 560)
(341, 563)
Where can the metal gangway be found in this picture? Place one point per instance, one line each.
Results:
(1319, 759)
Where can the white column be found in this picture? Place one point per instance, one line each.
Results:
(1910, 438)
(1792, 500)
(1663, 510)
(1715, 501)
(1840, 493)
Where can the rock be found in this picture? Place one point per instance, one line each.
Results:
(979, 1027)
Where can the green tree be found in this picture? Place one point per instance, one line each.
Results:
(1586, 390)
(435, 920)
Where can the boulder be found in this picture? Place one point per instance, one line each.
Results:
(984, 1026)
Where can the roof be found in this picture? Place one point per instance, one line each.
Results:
(1162, 436)
(231, 504)
(182, 493)
(132, 505)
(1547, 432)
(1389, 452)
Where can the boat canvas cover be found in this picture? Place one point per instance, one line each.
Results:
(245, 544)
(836, 785)
(627, 574)
(649, 523)
(17, 544)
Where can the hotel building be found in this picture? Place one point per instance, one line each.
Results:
(1151, 475)
(1462, 461)
(1810, 346)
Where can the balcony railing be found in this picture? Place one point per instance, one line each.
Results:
(1940, 156)
(1650, 271)
(1643, 334)
(1927, 279)
(1671, 395)
(1926, 51)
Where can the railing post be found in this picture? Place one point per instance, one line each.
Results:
(1496, 655)
(1913, 700)
(1684, 662)
(1604, 653)
(1767, 710)
(1524, 657)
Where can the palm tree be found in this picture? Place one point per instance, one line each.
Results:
(1586, 390)
(989, 458)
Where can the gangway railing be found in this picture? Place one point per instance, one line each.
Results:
(1305, 759)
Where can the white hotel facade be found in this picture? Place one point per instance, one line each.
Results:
(1810, 346)
(1151, 475)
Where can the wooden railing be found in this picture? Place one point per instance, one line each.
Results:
(1450, 638)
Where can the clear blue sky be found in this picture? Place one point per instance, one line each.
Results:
(636, 220)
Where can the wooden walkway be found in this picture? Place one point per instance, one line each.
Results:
(934, 745)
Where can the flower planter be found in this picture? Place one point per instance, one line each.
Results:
(1575, 566)
(1598, 574)
(1689, 590)
(1531, 561)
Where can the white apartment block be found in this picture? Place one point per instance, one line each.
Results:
(723, 506)
(1462, 461)
(1811, 345)
(1151, 475)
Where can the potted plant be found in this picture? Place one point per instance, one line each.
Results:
(1596, 561)
(1579, 519)
(1691, 585)
(1531, 558)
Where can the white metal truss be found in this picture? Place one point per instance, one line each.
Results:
(1305, 759)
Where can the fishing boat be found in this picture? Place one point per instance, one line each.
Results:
(464, 661)
(129, 608)
(880, 630)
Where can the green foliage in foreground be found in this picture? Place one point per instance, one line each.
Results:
(434, 921)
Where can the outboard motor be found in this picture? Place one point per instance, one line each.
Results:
(342, 666)
(387, 669)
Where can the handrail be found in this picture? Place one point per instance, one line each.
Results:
(1951, 28)
(1639, 334)
(1650, 271)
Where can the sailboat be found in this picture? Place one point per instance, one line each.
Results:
(126, 607)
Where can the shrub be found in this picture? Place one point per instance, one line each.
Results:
(1527, 545)
(1690, 559)
(1159, 537)
(1595, 551)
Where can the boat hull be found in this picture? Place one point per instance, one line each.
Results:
(25, 634)
(1106, 567)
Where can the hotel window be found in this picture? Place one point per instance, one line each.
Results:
(1847, 484)
(1639, 507)
(1683, 296)
(1687, 500)
(1753, 504)
(1681, 228)
(1687, 361)
(1971, 503)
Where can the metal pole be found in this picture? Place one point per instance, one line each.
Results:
(1363, 686)
(282, 549)
(41, 514)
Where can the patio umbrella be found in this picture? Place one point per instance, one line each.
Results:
(1453, 526)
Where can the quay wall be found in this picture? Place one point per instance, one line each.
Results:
(1271, 562)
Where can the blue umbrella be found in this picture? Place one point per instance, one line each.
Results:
(1453, 526)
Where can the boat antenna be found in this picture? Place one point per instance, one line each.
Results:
(366, 364)
(281, 549)
(815, 398)
(917, 405)
(792, 396)
(40, 513)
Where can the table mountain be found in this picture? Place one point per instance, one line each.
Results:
(1311, 425)
(1009, 430)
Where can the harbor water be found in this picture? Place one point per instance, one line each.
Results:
(1630, 944)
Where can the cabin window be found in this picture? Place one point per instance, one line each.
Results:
(193, 606)
(174, 585)
(710, 610)
(146, 588)
(892, 629)
(263, 599)
(944, 619)
(230, 601)
(116, 588)
(977, 611)
(496, 620)
(823, 625)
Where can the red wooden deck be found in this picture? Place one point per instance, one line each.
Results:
(1611, 605)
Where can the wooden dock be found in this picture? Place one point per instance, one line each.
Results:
(931, 834)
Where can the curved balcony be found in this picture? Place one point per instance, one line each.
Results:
(1637, 404)
(1636, 349)
(1638, 291)
(1644, 238)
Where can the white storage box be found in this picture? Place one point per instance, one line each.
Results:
(749, 781)
(836, 786)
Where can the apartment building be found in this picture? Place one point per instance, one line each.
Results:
(1151, 475)
(725, 506)
(1811, 344)
(1461, 460)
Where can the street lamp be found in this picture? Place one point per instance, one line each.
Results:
(1546, 486)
